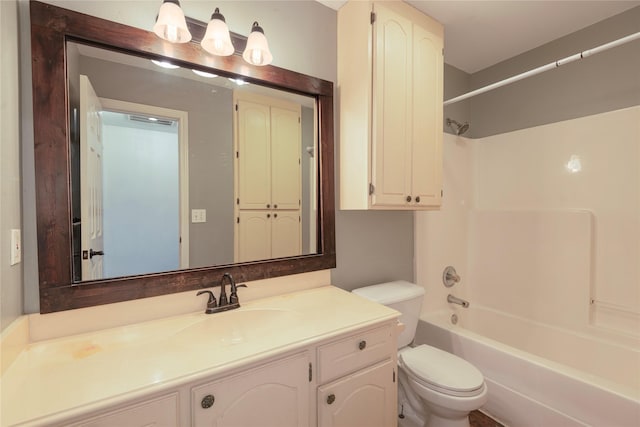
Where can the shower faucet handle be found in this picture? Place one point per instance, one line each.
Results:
(450, 277)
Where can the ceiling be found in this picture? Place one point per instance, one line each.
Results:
(481, 33)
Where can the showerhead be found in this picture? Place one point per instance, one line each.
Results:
(456, 127)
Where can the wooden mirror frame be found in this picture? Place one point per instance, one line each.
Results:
(51, 28)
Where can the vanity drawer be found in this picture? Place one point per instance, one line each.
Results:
(355, 352)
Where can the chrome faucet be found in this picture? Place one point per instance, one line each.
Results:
(456, 300)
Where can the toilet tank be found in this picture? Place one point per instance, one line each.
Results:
(402, 296)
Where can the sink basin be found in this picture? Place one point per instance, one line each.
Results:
(238, 326)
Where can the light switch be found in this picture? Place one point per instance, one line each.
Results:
(16, 246)
(198, 215)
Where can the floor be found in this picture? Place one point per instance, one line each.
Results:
(478, 419)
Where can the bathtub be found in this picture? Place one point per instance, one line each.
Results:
(539, 375)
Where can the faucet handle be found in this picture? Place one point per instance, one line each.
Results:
(233, 298)
(211, 303)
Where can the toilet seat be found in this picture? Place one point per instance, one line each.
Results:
(441, 371)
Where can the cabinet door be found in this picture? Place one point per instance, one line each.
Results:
(254, 235)
(273, 395)
(285, 158)
(254, 155)
(426, 182)
(286, 234)
(160, 412)
(366, 398)
(392, 80)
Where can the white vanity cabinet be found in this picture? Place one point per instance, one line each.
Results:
(357, 377)
(390, 65)
(163, 411)
(317, 357)
(272, 395)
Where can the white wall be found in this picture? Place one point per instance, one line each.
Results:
(442, 236)
(531, 177)
(534, 233)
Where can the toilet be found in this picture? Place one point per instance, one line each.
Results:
(435, 388)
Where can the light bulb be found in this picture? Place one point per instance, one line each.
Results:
(257, 50)
(171, 24)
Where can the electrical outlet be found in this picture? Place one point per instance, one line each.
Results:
(198, 215)
(16, 246)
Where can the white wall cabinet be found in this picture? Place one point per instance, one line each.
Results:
(268, 178)
(390, 64)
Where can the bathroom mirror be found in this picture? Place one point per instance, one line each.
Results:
(59, 38)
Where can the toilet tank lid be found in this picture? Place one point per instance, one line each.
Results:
(390, 292)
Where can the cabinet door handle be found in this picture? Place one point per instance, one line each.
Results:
(268, 206)
(207, 401)
(362, 345)
(418, 199)
(408, 198)
(268, 215)
(331, 398)
(275, 206)
(275, 215)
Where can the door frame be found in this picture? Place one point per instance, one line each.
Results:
(181, 117)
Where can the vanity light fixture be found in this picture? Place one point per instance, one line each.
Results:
(238, 82)
(205, 74)
(171, 24)
(165, 64)
(217, 39)
(257, 51)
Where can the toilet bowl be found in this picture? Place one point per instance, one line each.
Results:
(448, 386)
(437, 388)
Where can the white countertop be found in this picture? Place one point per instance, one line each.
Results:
(82, 373)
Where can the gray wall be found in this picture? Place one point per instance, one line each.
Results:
(603, 82)
(210, 145)
(10, 275)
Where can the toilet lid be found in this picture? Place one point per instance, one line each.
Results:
(441, 369)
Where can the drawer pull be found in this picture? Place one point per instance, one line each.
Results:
(362, 344)
(331, 398)
(207, 401)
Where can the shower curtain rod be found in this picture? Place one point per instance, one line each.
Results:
(544, 68)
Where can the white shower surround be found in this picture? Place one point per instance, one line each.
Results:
(537, 238)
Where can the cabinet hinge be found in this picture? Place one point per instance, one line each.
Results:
(394, 375)
(236, 107)
(372, 189)
(238, 201)
(441, 193)
(310, 372)
(442, 51)
(373, 17)
(237, 154)
(238, 220)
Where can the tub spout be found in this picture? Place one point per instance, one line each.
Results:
(456, 300)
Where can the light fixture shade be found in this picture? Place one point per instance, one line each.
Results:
(171, 25)
(217, 39)
(257, 51)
